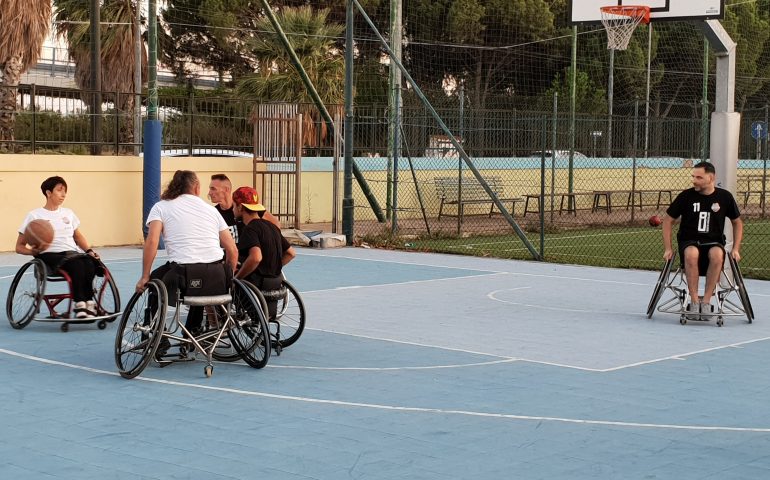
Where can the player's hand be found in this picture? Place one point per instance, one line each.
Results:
(736, 255)
(142, 284)
(91, 252)
(668, 254)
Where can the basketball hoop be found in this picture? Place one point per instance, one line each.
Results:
(620, 21)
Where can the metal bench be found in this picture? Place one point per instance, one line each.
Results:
(451, 191)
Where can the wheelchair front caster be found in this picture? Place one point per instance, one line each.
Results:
(720, 322)
(683, 321)
(102, 324)
(208, 370)
(65, 327)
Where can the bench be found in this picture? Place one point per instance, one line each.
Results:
(571, 201)
(632, 194)
(450, 192)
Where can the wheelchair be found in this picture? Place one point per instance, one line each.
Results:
(285, 311)
(29, 292)
(234, 323)
(729, 287)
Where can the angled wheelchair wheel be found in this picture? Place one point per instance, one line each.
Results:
(26, 293)
(140, 330)
(106, 295)
(660, 286)
(742, 293)
(249, 332)
(290, 317)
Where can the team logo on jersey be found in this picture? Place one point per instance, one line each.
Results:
(65, 220)
(714, 207)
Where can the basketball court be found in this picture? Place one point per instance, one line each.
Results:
(412, 366)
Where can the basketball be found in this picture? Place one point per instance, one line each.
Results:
(655, 221)
(39, 234)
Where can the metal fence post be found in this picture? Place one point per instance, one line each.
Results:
(33, 107)
(190, 115)
(117, 122)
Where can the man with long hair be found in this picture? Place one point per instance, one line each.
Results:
(193, 232)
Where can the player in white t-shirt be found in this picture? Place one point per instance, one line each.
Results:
(66, 250)
(193, 232)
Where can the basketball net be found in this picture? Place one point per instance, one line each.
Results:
(620, 21)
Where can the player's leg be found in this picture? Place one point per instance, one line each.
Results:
(716, 256)
(690, 256)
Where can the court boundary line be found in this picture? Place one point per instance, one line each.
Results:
(395, 408)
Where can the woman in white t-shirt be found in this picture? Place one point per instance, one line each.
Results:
(66, 250)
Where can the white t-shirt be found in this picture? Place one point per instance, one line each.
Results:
(190, 229)
(64, 223)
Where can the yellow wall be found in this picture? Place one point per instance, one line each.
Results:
(105, 192)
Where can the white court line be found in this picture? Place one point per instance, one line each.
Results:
(491, 296)
(408, 282)
(400, 262)
(386, 369)
(394, 408)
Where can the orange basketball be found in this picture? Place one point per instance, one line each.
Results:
(39, 234)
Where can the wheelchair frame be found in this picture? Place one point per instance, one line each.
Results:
(142, 332)
(729, 282)
(20, 317)
(290, 314)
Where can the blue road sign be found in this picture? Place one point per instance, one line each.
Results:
(759, 130)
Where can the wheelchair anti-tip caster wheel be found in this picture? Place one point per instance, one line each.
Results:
(208, 370)
(65, 327)
(102, 324)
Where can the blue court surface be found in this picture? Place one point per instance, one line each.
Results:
(412, 366)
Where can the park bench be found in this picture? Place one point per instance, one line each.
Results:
(471, 192)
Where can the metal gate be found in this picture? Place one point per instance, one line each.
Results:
(278, 160)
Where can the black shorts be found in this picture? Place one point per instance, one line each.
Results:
(703, 253)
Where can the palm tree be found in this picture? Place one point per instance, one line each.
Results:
(315, 43)
(24, 26)
(117, 55)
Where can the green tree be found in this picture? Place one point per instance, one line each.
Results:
(24, 26)
(117, 55)
(314, 41)
(750, 30)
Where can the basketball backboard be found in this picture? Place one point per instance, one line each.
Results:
(587, 11)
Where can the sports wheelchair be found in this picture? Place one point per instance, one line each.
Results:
(29, 291)
(234, 327)
(285, 312)
(730, 282)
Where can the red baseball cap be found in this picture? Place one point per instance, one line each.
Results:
(248, 198)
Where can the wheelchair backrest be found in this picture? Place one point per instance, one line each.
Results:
(204, 279)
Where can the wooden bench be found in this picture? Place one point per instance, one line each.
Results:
(571, 201)
(471, 192)
(632, 194)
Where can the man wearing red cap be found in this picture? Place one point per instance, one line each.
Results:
(262, 250)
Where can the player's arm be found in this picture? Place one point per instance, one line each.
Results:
(80, 241)
(251, 262)
(227, 242)
(668, 251)
(737, 237)
(22, 248)
(148, 253)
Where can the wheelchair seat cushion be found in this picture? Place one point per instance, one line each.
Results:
(204, 279)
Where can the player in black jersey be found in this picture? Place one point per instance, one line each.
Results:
(701, 239)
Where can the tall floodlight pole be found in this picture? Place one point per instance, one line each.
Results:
(610, 100)
(572, 107)
(137, 77)
(647, 101)
(347, 185)
(96, 78)
(153, 130)
(394, 103)
(704, 120)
